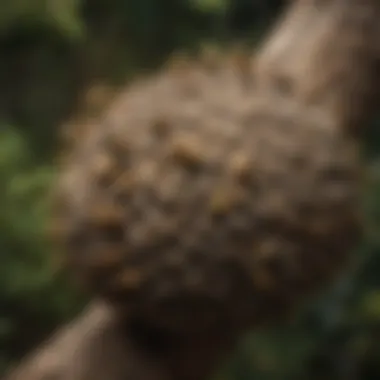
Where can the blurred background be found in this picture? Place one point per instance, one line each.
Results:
(62, 60)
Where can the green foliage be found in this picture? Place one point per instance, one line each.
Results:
(211, 5)
(24, 207)
(32, 298)
(61, 15)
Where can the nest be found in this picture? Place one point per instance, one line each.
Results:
(194, 202)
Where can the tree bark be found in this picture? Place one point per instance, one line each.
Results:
(323, 57)
(97, 345)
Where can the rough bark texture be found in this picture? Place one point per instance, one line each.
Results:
(215, 197)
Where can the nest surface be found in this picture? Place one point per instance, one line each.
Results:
(194, 202)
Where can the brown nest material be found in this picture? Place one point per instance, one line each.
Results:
(195, 203)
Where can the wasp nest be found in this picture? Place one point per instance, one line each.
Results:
(195, 203)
